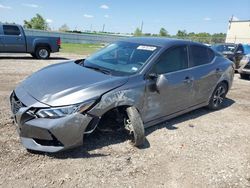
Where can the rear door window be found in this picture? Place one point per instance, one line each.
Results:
(200, 55)
(11, 30)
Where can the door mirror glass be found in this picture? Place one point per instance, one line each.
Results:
(156, 81)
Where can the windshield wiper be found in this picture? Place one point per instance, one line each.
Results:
(99, 69)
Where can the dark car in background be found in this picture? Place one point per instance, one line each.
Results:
(14, 40)
(129, 85)
(234, 52)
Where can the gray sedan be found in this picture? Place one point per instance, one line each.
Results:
(129, 85)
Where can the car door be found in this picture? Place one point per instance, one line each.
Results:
(205, 71)
(14, 41)
(171, 91)
(1, 39)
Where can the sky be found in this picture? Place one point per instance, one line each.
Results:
(125, 16)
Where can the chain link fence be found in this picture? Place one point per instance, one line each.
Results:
(109, 38)
(74, 37)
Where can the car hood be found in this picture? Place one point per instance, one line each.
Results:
(68, 83)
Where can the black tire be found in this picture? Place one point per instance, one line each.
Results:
(218, 96)
(42, 52)
(33, 55)
(136, 126)
(244, 76)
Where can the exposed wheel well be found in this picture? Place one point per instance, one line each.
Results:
(113, 118)
(43, 45)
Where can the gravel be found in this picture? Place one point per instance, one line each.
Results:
(198, 149)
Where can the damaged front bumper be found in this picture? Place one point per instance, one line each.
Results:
(51, 135)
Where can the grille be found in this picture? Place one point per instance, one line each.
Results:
(16, 104)
(247, 66)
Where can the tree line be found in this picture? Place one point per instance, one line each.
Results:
(38, 22)
(203, 37)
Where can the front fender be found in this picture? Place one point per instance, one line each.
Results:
(116, 98)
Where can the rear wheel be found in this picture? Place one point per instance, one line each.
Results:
(135, 126)
(42, 53)
(218, 96)
(244, 76)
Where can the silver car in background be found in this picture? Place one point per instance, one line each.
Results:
(244, 65)
(130, 85)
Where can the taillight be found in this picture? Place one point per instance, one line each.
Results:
(58, 41)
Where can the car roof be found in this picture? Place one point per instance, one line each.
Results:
(159, 41)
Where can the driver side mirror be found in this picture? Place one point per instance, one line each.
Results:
(157, 82)
(152, 77)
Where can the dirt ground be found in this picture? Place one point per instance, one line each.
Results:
(198, 149)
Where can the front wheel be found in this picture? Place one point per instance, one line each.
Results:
(135, 126)
(218, 96)
(42, 53)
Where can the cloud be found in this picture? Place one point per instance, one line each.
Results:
(49, 20)
(207, 19)
(234, 18)
(104, 6)
(30, 5)
(88, 16)
(4, 7)
(106, 16)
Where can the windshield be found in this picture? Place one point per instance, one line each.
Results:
(246, 48)
(121, 58)
(224, 47)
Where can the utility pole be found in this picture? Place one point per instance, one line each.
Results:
(141, 26)
(103, 27)
(230, 21)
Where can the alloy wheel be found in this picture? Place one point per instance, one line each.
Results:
(43, 53)
(219, 96)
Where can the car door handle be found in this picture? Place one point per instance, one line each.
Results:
(18, 39)
(188, 80)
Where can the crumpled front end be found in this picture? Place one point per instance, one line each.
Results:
(46, 134)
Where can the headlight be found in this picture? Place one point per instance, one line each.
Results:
(65, 110)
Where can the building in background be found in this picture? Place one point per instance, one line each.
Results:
(238, 32)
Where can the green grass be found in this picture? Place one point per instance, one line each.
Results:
(81, 49)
